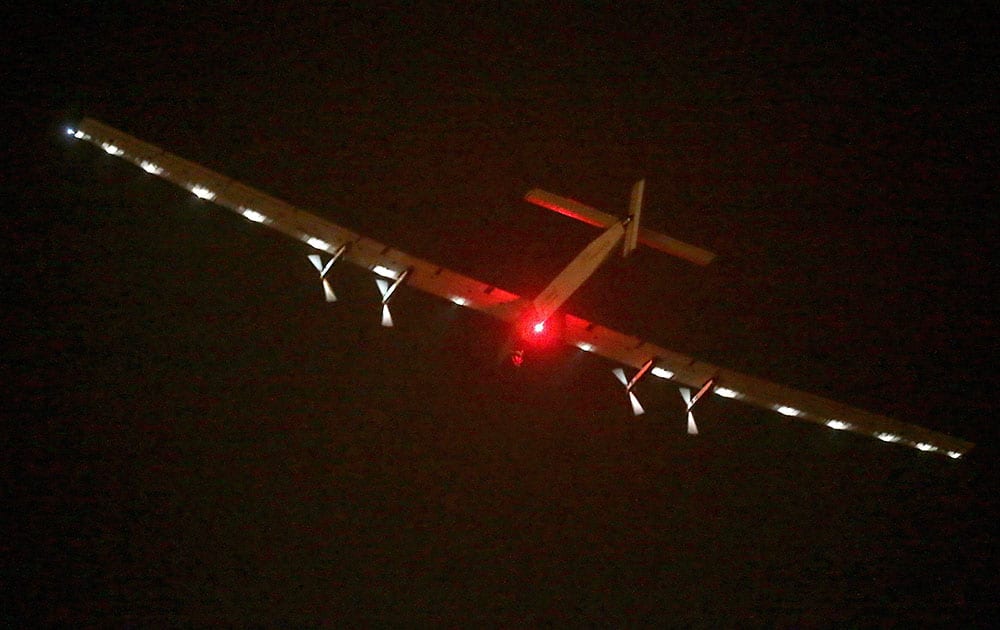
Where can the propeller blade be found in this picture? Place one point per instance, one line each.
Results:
(637, 409)
(317, 262)
(328, 291)
(620, 374)
(692, 427)
(686, 395)
(383, 287)
(386, 316)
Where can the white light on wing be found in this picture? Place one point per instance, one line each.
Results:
(80, 135)
(725, 392)
(924, 446)
(70, 131)
(385, 272)
(112, 149)
(837, 424)
(461, 301)
(787, 411)
(202, 193)
(312, 241)
(586, 347)
(887, 437)
(150, 167)
(662, 373)
(253, 215)
(954, 454)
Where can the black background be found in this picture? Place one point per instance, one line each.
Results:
(193, 436)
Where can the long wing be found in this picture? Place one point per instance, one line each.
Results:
(383, 260)
(318, 233)
(754, 391)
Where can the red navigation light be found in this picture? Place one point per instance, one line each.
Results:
(534, 332)
(540, 332)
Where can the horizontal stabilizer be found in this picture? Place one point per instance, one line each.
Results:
(597, 218)
(572, 209)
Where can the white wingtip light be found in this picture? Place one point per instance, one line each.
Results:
(150, 167)
(386, 316)
(202, 192)
(318, 243)
(725, 392)
(385, 272)
(253, 215)
(662, 373)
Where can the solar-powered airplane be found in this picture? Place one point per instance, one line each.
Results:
(530, 318)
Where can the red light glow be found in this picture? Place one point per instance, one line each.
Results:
(539, 333)
(517, 358)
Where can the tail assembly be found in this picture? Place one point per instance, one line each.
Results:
(637, 234)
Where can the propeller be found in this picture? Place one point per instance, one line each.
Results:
(323, 270)
(637, 409)
(619, 373)
(387, 290)
(686, 395)
(383, 288)
(690, 402)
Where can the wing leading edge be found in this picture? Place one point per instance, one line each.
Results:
(388, 262)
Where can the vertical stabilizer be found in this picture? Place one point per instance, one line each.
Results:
(634, 210)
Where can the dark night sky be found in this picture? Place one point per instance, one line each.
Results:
(195, 437)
